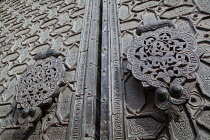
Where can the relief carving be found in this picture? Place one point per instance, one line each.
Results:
(161, 56)
(28, 28)
(38, 88)
(190, 18)
(164, 59)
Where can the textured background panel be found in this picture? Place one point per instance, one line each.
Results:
(28, 27)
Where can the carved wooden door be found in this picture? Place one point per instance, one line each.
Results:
(49, 68)
(104, 69)
(155, 69)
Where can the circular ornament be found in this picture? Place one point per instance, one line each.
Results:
(160, 56)
(39, 82)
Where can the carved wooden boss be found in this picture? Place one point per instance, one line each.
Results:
(164, 59)
(37, 89)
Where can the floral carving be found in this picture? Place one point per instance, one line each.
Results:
(36, 90)
(164, 59)
(39, 82)
(159, 57)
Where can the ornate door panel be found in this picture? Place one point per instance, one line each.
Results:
(111, 69)
(49, 69)
(155, 69)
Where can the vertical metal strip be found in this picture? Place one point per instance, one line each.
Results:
(76, 117)
(116, 95)
(104, 124)
(91, 85)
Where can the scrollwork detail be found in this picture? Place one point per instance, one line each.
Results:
(37, 90)
(39, 82)
(160, 57)
(164, 59)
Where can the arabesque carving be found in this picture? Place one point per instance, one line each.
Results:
(161, 56)
(164, 59)
(40, 82)
(37, 88)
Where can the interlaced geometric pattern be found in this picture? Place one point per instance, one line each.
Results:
(39, 82)
(161, 56)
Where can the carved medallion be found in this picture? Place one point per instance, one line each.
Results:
(164, 59)
(39, 82)
(38, 88)
(160, 57)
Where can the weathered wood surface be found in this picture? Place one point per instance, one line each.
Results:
(70, 27)
(99, 97)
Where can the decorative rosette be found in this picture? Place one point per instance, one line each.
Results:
(158, 58)
(164, 59)
(39, 82)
